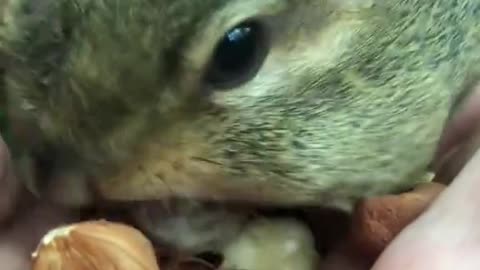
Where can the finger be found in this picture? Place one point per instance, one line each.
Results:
(453, 163)
(9, 186)
(18, 242)
(460, 202)
(460, 129)
(446, 236)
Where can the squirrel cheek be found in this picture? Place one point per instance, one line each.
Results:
(160, 171)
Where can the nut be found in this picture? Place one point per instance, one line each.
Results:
(377, 221)
(273, 244)
(95, 245)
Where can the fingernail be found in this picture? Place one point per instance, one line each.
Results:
(453, 163)
(461, 127)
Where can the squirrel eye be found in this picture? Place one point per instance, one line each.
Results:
(238, 56)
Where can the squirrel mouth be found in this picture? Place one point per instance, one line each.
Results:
(460, 140)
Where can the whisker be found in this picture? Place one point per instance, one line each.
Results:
(207, 161)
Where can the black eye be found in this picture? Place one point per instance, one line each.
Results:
(239, 56)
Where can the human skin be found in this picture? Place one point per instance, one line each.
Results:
(447, 235)
(444, 237)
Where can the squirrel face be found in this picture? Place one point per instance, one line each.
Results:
(269, 101)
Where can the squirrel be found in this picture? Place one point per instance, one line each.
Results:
(269, 102)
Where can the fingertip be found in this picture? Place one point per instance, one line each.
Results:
(446, 235)
(9, 186)
(460, 128)
(13, 257)
(454, 163)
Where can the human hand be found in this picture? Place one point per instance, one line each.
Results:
(23, 219)
(447, 235)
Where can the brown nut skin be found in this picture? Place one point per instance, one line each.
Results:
(377, 221)
(95, 245)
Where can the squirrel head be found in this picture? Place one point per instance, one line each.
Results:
(274, 101)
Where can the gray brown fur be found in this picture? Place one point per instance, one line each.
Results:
(363, 120)
(350, 102)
